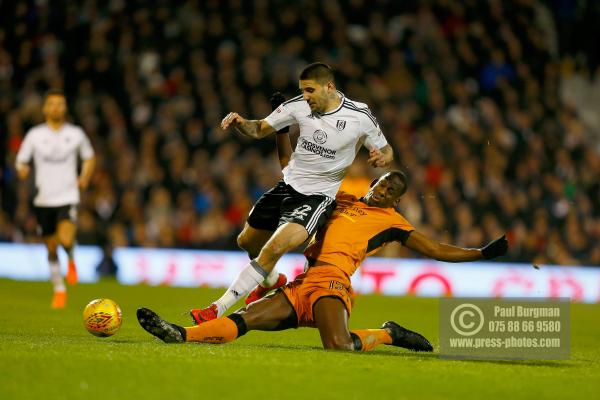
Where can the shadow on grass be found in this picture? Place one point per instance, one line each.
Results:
(424, 356)
(523, 363)
(385, 353)
(128, 341)
(401, 353)
(282, 346)
(436, 357)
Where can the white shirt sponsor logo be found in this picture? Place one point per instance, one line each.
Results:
(320, 136)
(315, 168)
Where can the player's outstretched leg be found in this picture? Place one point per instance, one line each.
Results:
(165, 331)
(402, 337)
(268, 314)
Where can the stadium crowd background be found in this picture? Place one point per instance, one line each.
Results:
(486, 104)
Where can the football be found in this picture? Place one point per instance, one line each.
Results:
(102, 317)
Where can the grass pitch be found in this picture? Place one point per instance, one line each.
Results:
(47, 354)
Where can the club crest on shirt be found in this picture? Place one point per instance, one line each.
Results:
(320, 136)
(340, 125)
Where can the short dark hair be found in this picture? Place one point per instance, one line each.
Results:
(53, 92)
(317, 71)
(398, 174)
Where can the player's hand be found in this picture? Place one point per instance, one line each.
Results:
(232, 119)
(494, 249)
(376, 158)
(276, 100)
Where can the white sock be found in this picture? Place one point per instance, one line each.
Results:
(247, 280)
(271, 279)
(56, 277)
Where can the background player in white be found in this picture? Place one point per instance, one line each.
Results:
(54, 147)
(332, 130)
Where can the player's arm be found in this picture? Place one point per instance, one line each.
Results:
(252, 128)
(381, 154)
(24, 156)
(381, 158)
(87, 169)
(284, 148)
(282, 139)
(446, 252)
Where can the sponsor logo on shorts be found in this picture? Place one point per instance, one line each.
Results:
(301, 212)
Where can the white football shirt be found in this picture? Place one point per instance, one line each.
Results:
(327, 144)
(54, 154)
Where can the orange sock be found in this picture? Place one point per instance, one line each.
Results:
(217, 331)
(370, 338)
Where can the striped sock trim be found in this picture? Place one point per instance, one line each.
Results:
(239, 323)
(257, 267)
(356, 341)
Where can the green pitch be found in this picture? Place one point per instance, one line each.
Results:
(46, 354)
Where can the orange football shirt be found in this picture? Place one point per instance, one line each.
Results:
(355, 231)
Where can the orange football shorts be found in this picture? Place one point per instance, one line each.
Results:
(322, 281)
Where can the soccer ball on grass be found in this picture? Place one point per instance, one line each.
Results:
(102, 317)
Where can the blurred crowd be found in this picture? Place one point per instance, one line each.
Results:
(467, 93)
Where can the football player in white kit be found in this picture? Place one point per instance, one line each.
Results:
(332, 130)
(54, 147)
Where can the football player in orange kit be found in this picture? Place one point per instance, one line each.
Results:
(321, 297)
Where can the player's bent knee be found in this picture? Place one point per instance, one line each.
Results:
(67, 242)
(242, 240)
(249, 243)
(66, 238)
(338, 343)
